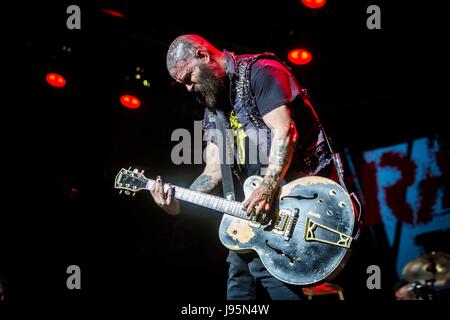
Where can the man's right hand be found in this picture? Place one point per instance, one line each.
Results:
(165, 200)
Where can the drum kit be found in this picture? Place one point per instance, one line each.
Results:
(428, 278)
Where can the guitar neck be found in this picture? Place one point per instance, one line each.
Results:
(230, 207)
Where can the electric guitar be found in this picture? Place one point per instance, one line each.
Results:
(305, 238)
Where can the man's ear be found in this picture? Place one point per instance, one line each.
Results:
(203, 54)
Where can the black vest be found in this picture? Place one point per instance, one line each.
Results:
(312, 155)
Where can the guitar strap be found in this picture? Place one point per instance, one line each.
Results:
(226, 148)
(338, 165)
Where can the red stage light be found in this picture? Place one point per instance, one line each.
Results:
(314, 4)
(130, 101)
(299, 56)
(55, 80)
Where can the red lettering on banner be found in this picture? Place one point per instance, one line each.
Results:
(396, 194)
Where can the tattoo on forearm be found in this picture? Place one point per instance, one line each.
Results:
(280, 157)
(279, 153)
(203, 183)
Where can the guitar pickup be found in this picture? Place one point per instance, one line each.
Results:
(329, 235)
(256, 220)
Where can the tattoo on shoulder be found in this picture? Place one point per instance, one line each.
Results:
(203, 183)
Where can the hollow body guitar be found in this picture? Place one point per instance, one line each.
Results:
(304, 240)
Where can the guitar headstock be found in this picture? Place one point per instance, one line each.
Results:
(131, 181)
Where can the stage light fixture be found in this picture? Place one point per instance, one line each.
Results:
(133, 91)
(129, 101)
(299, 56)
(55, 80)
(314, 4)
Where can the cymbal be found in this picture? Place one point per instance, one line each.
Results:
(323, 289)
(435, 265)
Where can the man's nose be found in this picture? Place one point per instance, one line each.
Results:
(190, 87)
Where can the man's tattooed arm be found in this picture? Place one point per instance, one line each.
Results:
(211, 176)
(281, 153)
(204, 183)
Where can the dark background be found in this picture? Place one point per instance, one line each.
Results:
(371, 88)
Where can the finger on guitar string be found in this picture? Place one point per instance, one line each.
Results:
(254, 200)
(158, 192)
(260, 207)
(153, 188)
(245, 204)
(159, 187)
(169, 194)
(248, 204)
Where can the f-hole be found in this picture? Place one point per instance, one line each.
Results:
(279, 251)
(301, 197)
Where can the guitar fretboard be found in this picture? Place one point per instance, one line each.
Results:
(230, 207)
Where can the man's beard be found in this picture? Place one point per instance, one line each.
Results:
(213, 88)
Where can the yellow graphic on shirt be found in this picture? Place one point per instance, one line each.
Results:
(239, 137)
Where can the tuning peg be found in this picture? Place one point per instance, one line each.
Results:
(129, 168)
(120, 192)
(134, 193)
(127, 192)
(142, 171)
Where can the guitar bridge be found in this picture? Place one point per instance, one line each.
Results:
(285, 223)
(335, 237)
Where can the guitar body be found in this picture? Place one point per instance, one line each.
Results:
(306, 237)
